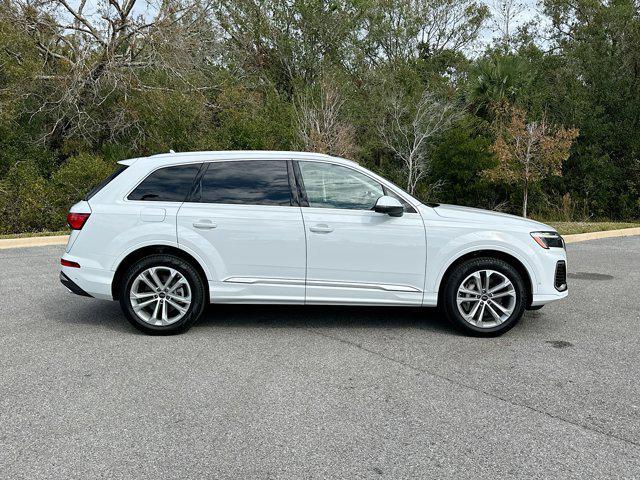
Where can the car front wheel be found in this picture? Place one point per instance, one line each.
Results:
(484, 296)
(162, 294)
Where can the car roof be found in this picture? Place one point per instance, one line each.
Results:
(187, 157)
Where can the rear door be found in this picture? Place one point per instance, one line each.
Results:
(243, 218)
(355, 255)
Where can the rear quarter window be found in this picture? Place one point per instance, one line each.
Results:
(104, 183)
(168, 184)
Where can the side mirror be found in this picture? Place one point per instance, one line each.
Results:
(389, 205)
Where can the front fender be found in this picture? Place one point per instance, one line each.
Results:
(444, 249)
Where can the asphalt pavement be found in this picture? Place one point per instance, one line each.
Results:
(321, 392)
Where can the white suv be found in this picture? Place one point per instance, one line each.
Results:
(168, 233)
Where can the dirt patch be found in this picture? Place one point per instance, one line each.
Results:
(589, 276)
(559, 343)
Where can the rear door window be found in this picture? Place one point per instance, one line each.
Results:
(246, 182)
(169, 184)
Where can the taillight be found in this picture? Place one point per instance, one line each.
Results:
(77, 220)
(69, 263)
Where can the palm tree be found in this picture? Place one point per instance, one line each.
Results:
(495, 80)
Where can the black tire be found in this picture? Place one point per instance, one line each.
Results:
(460, 273)
(187, 270)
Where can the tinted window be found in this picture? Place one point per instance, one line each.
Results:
(251, 182)
(170, 184)
(104, 183)
(334, 186)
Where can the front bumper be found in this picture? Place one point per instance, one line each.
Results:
(543, 299)
(551, 276)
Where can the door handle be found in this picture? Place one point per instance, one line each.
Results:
(321, 228)
(205, 224)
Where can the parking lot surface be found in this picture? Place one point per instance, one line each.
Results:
(321, 392)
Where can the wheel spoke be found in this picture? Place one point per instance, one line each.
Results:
(500, 307)
(179, 282)
(177, 307)
(467, 300)
(135, 295)
(141, 305)
(149, 283)
(165, 318)
(500, 286)
(466, 290)
(472, 313)
(170, 279)
(494, 314)
(178, 298)
(478, 280)
(509, 293)
(154, 276)
(481, 314)
(154, 315)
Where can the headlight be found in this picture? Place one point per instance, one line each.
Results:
(548, 239)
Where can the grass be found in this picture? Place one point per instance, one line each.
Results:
(33, 234)
(569, 228)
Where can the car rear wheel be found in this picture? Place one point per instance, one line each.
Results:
(484, 296)
(162, 294)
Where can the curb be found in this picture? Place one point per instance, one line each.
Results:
(581, 237)
(62, 239)
(33, 242)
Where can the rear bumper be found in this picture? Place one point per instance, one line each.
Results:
(93, 281)
(71, 286)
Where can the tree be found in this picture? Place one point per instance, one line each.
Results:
(409, 127)
(528, 151)
(505, 15)
(96, 54)
(597, 88)
(320, 125)
(497, 79)
(399, 30)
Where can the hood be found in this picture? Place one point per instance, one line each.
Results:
(488, 217)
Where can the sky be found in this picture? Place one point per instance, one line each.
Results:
(529, 11)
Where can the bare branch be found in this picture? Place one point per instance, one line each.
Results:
(407, 130)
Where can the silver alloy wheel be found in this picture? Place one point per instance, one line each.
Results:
(160, 296)
(486, 298)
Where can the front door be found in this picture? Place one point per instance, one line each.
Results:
(244, 221)
(355, 255)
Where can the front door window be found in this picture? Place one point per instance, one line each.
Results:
(335, 186)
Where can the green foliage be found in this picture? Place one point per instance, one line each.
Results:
(458, 161)
(497, 79)
(31, 203)
(236, 77)
(24, 205)
(251, 120)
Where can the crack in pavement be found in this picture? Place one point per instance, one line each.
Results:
(470, 387)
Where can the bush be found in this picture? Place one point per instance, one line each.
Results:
(31, 203)
(23, 200)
